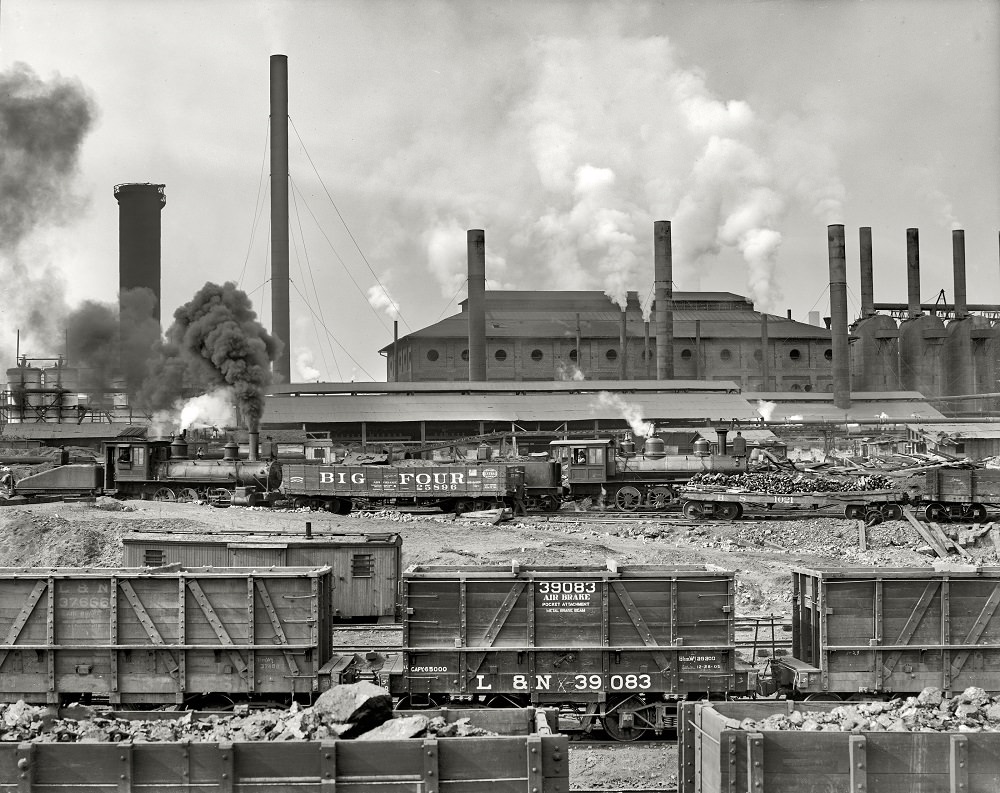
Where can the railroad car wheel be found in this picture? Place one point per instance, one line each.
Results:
(872, 517)
(628, 499)
(300, 502)
(935, 512)
(693, 510)
(164, 494)
(551, 503)
(974, 512)
(344, 506)
(892, 511)
(624, 722)
(187, 494)
(728, 510)
(854, 512)
(825, 696)
(661, 497)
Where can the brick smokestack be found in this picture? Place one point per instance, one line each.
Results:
(139, 207)
(476, 239)
(958, 262)
(838, 317)
(913, 273)
(867, 274)
(663, 295)
(279, 216)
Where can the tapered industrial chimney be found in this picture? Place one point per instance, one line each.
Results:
(139, 207)
(838, 317)
(663, 296)
(279, 215)
(958, 265)
(476, 240)
(913, 273)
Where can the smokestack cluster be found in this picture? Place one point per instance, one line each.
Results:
(663, 295)
(838, 317)
(476, 240)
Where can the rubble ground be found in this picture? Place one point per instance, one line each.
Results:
(761, 552)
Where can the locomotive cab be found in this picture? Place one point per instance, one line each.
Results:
(585, 462)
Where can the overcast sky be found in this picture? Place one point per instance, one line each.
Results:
(562, 129)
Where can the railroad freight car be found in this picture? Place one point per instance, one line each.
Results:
(959, 493)
(880, 631)
(366, 568)
(619, 645)
(520, 756)
(716, 754)
(452, 487)
(157, 637)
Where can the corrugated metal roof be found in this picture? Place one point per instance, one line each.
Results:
(899, 405)
(54, 431)
(502, 407)
(985, 431)
(507, 386)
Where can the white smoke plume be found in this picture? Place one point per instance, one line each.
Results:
(630, 412)
(214, 409)
(766, 409)
(570, 372)
(569, 174)
(308, 373)
(380, 299)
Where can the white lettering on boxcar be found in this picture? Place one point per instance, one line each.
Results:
(481, 683)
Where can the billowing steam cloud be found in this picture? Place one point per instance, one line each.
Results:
(42, 126)
(766, 409)
(581, 163)
(304, 365)
(214, 342)
(380, 299)
(630, 412)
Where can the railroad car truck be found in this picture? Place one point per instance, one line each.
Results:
(366, 568)
(887, 631)
(140, 636)
(619, 645)
(717, 755)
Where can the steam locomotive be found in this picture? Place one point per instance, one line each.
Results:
(606, 470)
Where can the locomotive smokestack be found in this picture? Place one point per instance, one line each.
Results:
(279, 215)
(476, 239)
(958, 261)
(139, 207)
(867, 274)
(838, 317)
(913, 273)
(253, 444)
(663, 296)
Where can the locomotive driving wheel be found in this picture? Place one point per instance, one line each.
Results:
(164, 494)
(661, 497)
(188, 494)
(628, 499)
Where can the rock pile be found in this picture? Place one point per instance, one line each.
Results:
(791, 483)
(971, 711)
(359, 710)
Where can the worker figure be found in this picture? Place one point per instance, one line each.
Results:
(6, 480)
(739, 445)
(63, 456)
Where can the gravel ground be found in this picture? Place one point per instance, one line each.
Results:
(760, 551)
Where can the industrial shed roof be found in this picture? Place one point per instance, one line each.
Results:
(550, 407)
(507, 386)
(47, 430)
(984, 431)
(865, 405)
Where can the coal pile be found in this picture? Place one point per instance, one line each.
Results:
(361, 711)
(790, 483)
(971, 711)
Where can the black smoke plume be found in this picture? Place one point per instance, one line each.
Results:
(42, 126)
(215, 341)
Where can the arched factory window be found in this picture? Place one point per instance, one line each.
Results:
(686, 355)
(611, 355)
(725, 355)
(828, 354)
(500, 355)
(536, 355)
(432, 355)
(757, 354)
(465, 355)
(572, 354)
(794, 355)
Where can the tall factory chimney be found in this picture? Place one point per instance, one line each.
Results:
(622, 336)
(913, 273)
(476, 239)
(139, 208)
(958, 263)
(867, 275)
(838, 317)
(663, 296)
(279, 215)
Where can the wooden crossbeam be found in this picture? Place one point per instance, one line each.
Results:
(147, 624)
(279, 632)
(912, 623)
(22, 619)
(985, 615)
(217, 626)
(503, 613)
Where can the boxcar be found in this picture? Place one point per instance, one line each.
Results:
(521, 758)
(716, 756)
(339, 488)
(366, 567)
(615, 643)
(959, 493)
(142, 636)
(883, 630)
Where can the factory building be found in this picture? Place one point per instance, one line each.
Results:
(546, 336)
